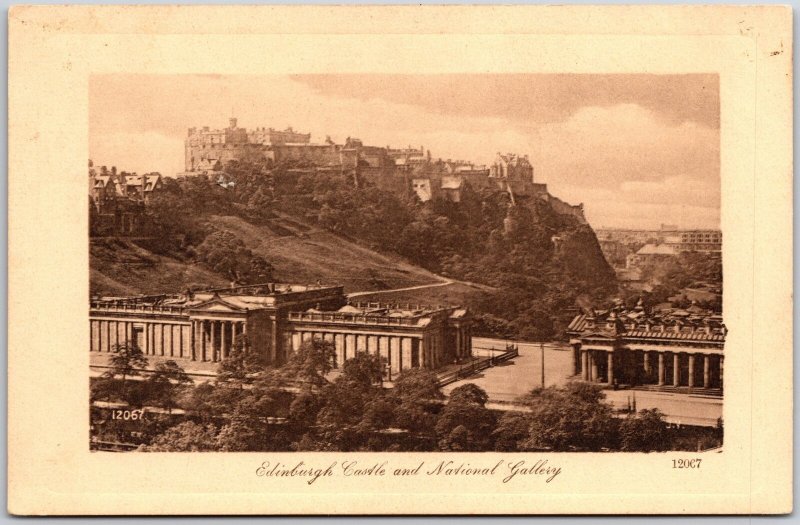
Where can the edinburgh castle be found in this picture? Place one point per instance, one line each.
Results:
(400, 170)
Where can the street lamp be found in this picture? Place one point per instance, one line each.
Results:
(541, 348)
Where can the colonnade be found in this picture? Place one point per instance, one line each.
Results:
(199, 340)
(399, 352)
(643, 367)
(168, 338)
(213, 339)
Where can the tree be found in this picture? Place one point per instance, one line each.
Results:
(241, 365)
(511, 432)
(465, 424)
(417, 396)
(167, 379)
(469, 394)
(224, 252)
(184, 437)
(311, 363)
(644, 432)
(103, 388)
(364, 368)
(573, 417)
(417, 384)
(127, 360)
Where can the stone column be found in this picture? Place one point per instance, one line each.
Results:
(405, 360)
(661, 369)
(593, 364)
(676, 369)
(172, 340)
(147, 338)
(338, 342)
(610, 374)
(721, 362)
(706, 371)
(195, 333)
(162, 339)
(116, 332)
(585, 365)
(108, 336)
(648, 370)
(575, 359)
(234, 329)
(203, 340)
(394, 351)
(691, 370)
(223, 350)
(213, 325)
(383, 349)
(180, 340)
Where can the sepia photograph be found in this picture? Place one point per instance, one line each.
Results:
(469, 263)
(400, 260)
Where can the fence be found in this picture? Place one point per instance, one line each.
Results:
(477, 365)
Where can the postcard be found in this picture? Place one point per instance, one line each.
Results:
(400, 260)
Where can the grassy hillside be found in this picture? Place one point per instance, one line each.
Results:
(299, 253)
(120, 267)
(302, 253)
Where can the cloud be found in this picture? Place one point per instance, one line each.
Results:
(632, 148)
(532, 98)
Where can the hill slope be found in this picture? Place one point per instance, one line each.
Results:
(299, 253)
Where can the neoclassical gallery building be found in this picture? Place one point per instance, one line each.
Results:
(674, 349)
(277, 318)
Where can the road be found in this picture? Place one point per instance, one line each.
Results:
(445, 282)
(507, 382)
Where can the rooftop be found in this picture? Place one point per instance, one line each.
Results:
(248, 297)
(379, 314)
(693, 323)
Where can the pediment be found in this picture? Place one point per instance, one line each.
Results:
(598, 335)
(216, 304)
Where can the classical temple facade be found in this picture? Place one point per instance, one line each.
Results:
(670, 350)
(277, 319)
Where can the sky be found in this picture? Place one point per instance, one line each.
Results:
(637, 150)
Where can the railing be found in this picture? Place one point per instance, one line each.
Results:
(476, 366)
(103, 306)
(337, 317)
(395, 306)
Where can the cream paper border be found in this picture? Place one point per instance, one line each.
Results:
(53, 51)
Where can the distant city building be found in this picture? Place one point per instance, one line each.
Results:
(671, 349)
(695, 240)
(277, 318)
(650, 253)
(117, 199)
(623, 247)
